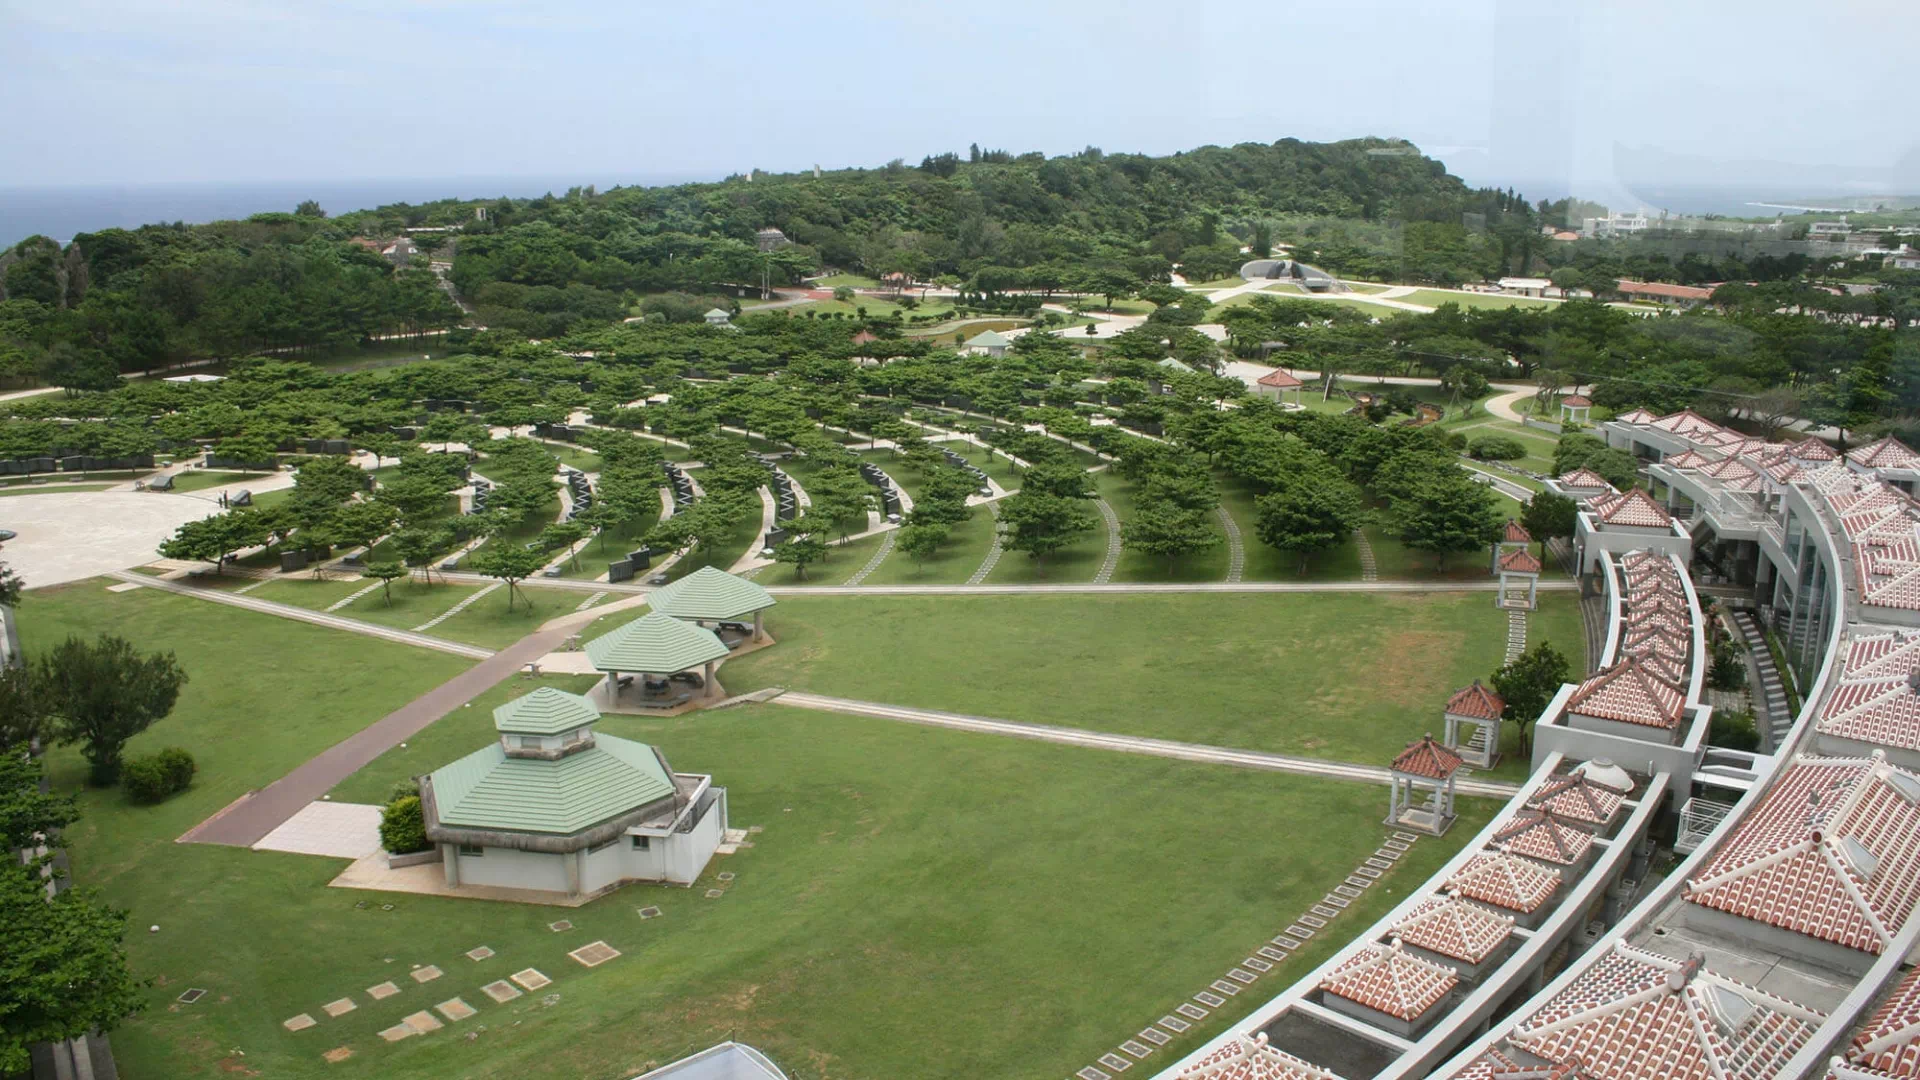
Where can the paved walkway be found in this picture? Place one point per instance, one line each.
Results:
(1112, 521)
(1236, 548)
(1556, 585)
(318, 618)
(1128, 744)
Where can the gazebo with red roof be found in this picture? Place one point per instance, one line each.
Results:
(1429, 764)
(1576, 409)
(1277, 384)
(1481, 709)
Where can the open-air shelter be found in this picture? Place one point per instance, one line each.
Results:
(1423, 764)
(659, 649)
(1473, 717)
(710, 595)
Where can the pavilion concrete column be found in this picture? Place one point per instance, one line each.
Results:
(450, 862)
(759, 631)
(573, 873)
(1533, 592)
(1453, 731)
(709, 669)
(1449, 807)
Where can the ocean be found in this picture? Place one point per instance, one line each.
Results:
(61, 212)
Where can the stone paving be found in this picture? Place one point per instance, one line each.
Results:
(456, 609)
(1105, 574)
(336, 829)
(346, 601)
(1236, 546)
(1369, 569)
(1244, 974)
(1516, 634)
(994, 551)
(72, 536)
(879, 556)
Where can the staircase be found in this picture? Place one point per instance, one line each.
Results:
(1772, 696)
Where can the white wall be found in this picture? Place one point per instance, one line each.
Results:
(510, 869)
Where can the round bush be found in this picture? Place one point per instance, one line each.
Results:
(155, 777)
(1497, 448)
(403, 827)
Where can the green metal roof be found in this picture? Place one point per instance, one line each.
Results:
(546, 711)
(657, 644)
(489, 790)
(722, 312)
(1176, 365)
(710, 593)
(987, 339)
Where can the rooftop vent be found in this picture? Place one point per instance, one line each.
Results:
(1862, 861)
(1904, 785)
(1730, 1010)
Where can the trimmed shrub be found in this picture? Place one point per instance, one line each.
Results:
(403, 826)
(1497, 448)
(1733, 730)
(156, 777)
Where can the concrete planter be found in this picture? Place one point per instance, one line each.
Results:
(418, 858)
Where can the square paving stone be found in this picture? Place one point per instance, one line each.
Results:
(339, 1008)
(1336, 901)
(650, 912)
(715, 894)
(1314, 921)
(560, 927)
(1155, 1036)
(1091, 1073)
(501, 991)
(480, 953)
(1359, 882)
(337, 1055)
(1256, 964)
(1136, 1048)
(1286, 943)
(724, 875)
(1405, 837)
(382, 992)
(1115, 1062)
(398, 1032)
(1241, 975)
(1173, 1024)
(1224, 987)
(1388, 854)
(595, 954)
(1210, 999)
(1300, 932)
(1271, 953)
(1380, 864)
(1324, 912)
(1190, 1010)
(1347, 891)
(423, 1022)
(529, 979)
(1366, 872)
(425, 974)
(299, 1023)
(454, 1009)
(192, 995)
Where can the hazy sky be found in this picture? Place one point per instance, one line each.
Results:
(1707, 91)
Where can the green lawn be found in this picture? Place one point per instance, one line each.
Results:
(1218, 283)
(1207, 565)
(1265, 563)
(853, 281)
(899, 916)
(569, 454)
(1348, 676)
(201, 479)
(1436, 297)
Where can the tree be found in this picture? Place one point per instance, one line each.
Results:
(362, 522)
(564, 534)
(28, 815)
(418, 547)
(1527, 683)
(1448, 513)
(1315, 512)
(1549, 516)
(386, 572)
(10, 585)
(800, 551)
(212, 539)
(1163, 527)
(510, 563)
(102, 693)
(921, 541)
(63, 972)
(1042, 524)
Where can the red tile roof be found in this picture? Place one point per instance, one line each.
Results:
(1505, 881)
(1636, 1015)
(1585, 478)
(1877, 706)
(1389, 979)
(1538, 835)
(1577, 797)
(1889, 1042)
(1452, 927)
(1425, 757)
(1520, 561)
(1635, 416)
(1636, 508)
(1813, 450)
(1477, 701)
(1687, 423)
(1516, 533)
(1631, 693)
(1577, 401)
(1279, 379)
(1243, 1058)
(1688, 459)
(1832, 851)
(1663, 290)
(1888, 453)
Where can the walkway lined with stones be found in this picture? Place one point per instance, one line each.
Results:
(346, 601)
(1260, 961)
(592, 600)
(879, 556)
(1127, 744)
(1236, 548)
(1516, 634)
(300, 614)
(1369, 569)
(456, 609)
(994, 550)
(1105, 574)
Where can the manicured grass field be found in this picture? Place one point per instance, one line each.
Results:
(201, 479)
(1436, 297)
(1348, 676)
(898, 917)
(834, 281)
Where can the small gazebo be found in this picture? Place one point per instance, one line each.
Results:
(1480, 709)
(662, 651)
(1519, 569)
(1576, 409)
(1514, 535)
(1428, 764)
(711, 595)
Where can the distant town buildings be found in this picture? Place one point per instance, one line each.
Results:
(1616, 224)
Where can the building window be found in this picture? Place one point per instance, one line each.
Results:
(641, 843)
(529, 743)
(471, 851)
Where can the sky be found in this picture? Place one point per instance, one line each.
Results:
(1605, 98)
